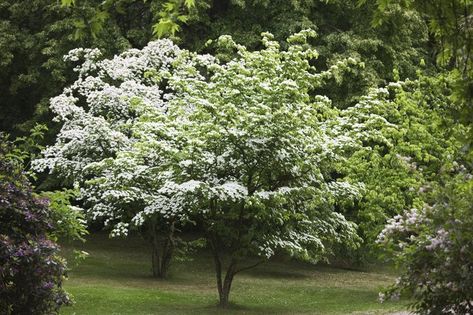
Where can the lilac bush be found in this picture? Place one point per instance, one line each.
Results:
(434, 248)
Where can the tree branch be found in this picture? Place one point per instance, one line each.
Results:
(250, 266)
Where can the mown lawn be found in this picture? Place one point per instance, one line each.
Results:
(115, 279)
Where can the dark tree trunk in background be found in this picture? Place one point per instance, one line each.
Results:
(162, 251)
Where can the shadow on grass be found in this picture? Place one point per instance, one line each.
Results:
(275, 273)
(235, 308)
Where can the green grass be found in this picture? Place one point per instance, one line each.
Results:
(115, 279)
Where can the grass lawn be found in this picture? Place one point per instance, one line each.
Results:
(115, 279)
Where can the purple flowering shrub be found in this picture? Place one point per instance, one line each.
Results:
(434, 247)
(31, 270)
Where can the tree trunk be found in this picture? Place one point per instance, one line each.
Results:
(161, 258)
(161, 255)
(225, 285)
(224, 296)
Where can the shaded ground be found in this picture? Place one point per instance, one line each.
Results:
(115, 279)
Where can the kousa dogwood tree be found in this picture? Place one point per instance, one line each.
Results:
(247, 152)
(99, 115)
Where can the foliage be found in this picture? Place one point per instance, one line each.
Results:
(31, 271)
(451, 25)
(422, 139)
(69, 220)
(449, 22)
(168, 16)
(433, 241)
(27, 148)
(434, 245)
(35, 36)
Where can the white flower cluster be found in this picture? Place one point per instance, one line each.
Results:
(345, 190)
(281, 191)
(120, 230)
(365, 122)
(88, 57)
(232, 191)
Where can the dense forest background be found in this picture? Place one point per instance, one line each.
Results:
(35, 37)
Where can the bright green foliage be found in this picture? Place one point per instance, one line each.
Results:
(167, 16)
(69, 220)
(422, 140)
(173, 14)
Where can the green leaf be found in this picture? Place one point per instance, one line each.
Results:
(189, 3)
(67, 3)
(183, 18)
(163, 28)
(169, 6)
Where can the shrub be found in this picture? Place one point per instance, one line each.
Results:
(31, 271)
(434, 247)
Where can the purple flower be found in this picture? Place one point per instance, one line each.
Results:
(42, 202)
(48, 285)
(20, 253)
(30, 216)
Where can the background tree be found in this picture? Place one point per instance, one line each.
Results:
(35, 37)
(451, 28)
(100, 112)
(419, 140)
